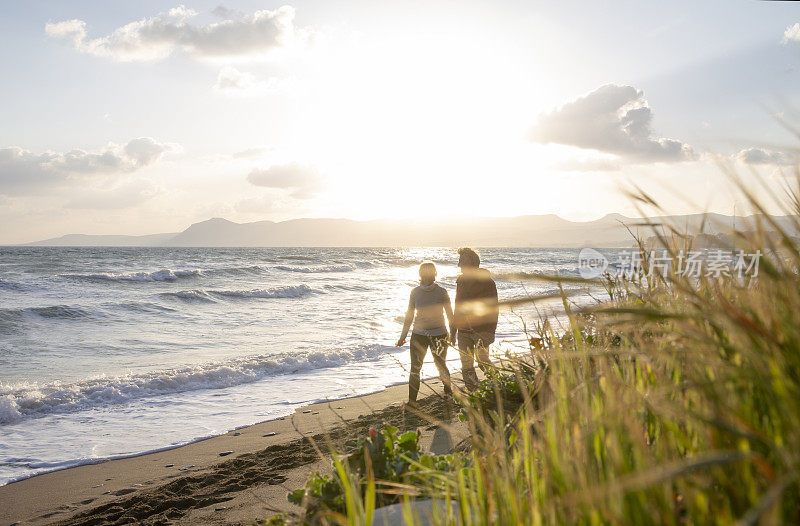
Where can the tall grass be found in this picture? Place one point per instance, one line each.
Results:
(676, 402)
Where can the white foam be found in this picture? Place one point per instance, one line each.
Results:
(24, 401)
(158, 275)
(317, 269)
(289, 291)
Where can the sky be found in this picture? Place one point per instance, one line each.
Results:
(145, 117)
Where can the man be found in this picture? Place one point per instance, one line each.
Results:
(476, 312)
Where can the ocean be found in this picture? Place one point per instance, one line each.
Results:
(111, 352)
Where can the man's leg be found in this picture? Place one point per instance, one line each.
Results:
(439, 350)
(482, 353)
(419, 346)
(465, 350)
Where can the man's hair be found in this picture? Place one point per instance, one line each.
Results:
(427, 269)
(469, 256)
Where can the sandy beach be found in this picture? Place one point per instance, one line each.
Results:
(241, 477)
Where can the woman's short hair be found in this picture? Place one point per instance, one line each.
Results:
(427, 270)
(469, 256)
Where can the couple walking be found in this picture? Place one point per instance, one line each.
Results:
(472, 325)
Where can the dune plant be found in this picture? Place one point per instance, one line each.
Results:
(677, 401)
(384, 466)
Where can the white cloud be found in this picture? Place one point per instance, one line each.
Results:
(157, 37)
(792, 34)
(127, 195)
(255, 205)
(303, 180)
(231, 81)
(766, 156)
(250, 152)
(22, 171)
(612, 119)
(588, 165)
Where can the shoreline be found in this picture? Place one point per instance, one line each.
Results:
(100, 460)
(255, 466)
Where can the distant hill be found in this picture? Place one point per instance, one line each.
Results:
(85, 240)
(523, 231)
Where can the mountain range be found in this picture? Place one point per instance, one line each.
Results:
(612, 230)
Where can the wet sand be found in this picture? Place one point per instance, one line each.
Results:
(241, 477)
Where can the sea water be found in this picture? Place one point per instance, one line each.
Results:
(110, 352)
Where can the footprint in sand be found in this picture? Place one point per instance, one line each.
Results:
(121, 492)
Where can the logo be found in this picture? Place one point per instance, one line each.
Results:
(591, 263)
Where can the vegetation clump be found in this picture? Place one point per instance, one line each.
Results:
(674, 402)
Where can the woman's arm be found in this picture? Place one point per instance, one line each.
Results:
(451, 320)
(407, 322)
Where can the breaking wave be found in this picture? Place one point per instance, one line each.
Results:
(158, 275)
(317, 269)
(26, 401)
(197, 295)
(66, 312)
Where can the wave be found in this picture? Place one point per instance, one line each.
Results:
(21, 402)
(209, 296)
(250, 270)
(350, 287)
(158, 275)
(292, 291)
(65, 312)
(14, 286)
(317, 269)
(142, 307)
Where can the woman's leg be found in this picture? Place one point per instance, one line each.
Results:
(419, 346)
(439, 350)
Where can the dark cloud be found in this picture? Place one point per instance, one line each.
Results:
(612, 119)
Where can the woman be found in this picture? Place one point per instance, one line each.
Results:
(426, 308)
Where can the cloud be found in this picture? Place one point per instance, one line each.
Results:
(231, 81)
(792, 34)
(238, 36)
(303, 180)
(124, 196)
(22, 171)
(612, 119)
(249, 152)
(226, 13)
(766, 156)
(588, 165)
(255, 205)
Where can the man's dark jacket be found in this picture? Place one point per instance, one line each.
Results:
(476, 306)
